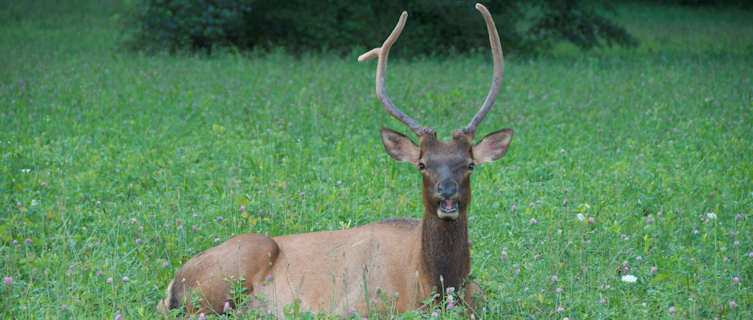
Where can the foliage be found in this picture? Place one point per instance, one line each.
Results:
(725, 3)
(341, 25)
(578, 23)
(101, 148)
(190, 23)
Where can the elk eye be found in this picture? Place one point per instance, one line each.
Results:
(421, 166)
(471, 166)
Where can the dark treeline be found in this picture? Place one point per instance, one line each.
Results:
(342, 26)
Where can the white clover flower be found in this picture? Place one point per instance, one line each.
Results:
(629, 278)
(580, 217)
(711, 215)
(34, 203)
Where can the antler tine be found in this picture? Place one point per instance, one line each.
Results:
(499, 66)
(383, 53)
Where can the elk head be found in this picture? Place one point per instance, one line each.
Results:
(446, 166)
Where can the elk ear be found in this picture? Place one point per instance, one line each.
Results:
(399, 146)
(493, 146)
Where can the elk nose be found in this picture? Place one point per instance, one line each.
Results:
(447, 188)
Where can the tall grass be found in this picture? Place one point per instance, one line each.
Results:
(114, 164)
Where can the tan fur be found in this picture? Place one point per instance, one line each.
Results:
(211, 274)
(320, 271)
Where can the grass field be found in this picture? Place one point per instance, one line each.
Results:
(116, 167)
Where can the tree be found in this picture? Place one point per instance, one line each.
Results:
(434, 26)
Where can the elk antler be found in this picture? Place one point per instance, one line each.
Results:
(499, 66)
(383, 53)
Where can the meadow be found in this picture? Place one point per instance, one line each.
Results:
(116, 166)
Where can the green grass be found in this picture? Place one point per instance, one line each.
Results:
(100, 147)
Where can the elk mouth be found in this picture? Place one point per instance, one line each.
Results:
(448, 209)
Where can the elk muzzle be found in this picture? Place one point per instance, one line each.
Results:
(448, 204)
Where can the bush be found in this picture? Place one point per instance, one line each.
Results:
(341, 26)
(200, 24)
(580, 24)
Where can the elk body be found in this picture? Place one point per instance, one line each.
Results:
(404, 260)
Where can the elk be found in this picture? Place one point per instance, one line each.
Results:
(406, 260)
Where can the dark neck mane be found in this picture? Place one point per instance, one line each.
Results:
(444, 250)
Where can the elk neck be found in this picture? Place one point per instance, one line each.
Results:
(445, 251)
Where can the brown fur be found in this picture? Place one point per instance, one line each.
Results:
(445, 251)
(211, 273)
